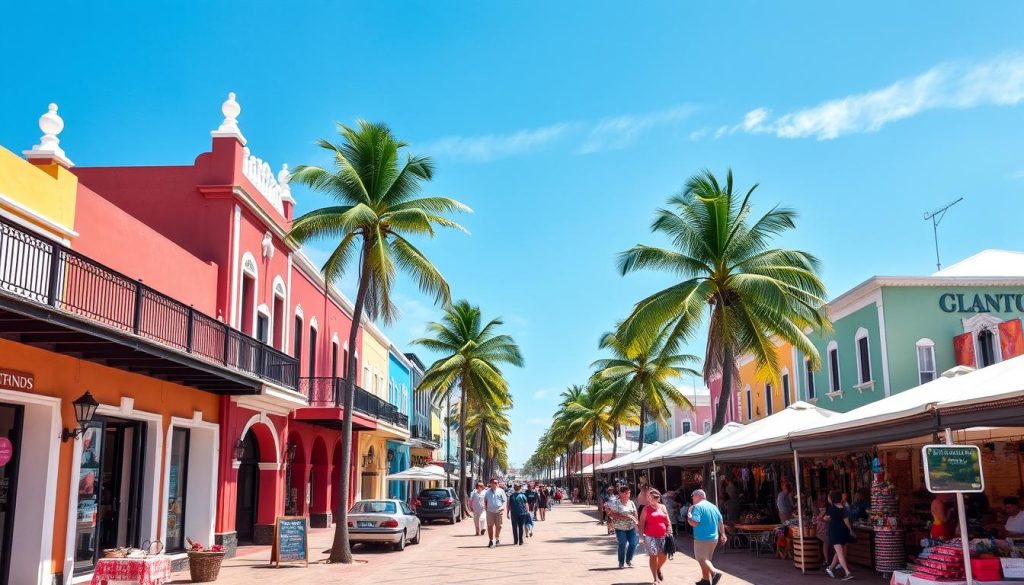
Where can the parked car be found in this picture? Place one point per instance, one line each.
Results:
(439, 504)
(387, 521)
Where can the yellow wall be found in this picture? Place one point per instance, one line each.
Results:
(749, 377)
(44, 190)
(375, 357)
(380, 449)
(68, 378)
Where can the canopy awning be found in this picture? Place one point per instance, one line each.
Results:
(769, 436)
(623, 461)
(426, 473)
(652, 457)
(699, 451)
(960, 398)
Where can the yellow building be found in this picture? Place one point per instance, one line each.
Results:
(760, 396)
(40, 196)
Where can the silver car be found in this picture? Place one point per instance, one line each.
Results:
(389, 521)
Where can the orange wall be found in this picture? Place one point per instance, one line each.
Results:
(749, 377)
(67, 378)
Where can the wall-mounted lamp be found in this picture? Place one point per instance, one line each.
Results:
(369, 458)
(290, 454)
(239, 449)
(391, 456)
(85, 409)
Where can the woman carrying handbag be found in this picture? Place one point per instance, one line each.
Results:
(656, 527)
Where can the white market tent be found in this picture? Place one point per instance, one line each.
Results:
(699, 451)
(769, 436)
(650, 457)
(620, 462)
(426, 473)
(960, 398)
(588, 471)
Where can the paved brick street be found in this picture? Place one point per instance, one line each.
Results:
(568, 548)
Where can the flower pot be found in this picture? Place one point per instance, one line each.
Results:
(204, 566)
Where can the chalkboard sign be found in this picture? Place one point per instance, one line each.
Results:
(952, 468)
(291, 540)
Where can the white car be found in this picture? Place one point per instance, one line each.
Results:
(389, 521)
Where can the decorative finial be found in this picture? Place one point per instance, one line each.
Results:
(229, 127)
(49, 148)
(283, 176)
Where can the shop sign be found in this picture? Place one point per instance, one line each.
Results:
(981, 303)
(6, 451)
(419, 460)
(952, 468)
(12, 380)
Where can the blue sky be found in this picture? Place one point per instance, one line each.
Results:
(565, 124)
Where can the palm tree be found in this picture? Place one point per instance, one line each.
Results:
(489, 426)
(375, 190)
(471, 353)
(753, 292)
(640, 380)
(590, 418)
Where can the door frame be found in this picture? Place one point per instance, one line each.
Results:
(12, 490)
(252, 466)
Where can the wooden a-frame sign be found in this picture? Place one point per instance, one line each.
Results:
(291, 540)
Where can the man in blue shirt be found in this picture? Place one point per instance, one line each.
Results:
(518, 512)
(708, 531)
(494, 500)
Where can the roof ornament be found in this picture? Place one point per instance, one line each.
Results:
(51, 124)
(229, 127)
(283, 176)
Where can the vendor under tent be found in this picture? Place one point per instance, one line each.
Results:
(621, 464)
(650, 460)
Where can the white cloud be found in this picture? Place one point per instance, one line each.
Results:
(699, 133)
(415, 316)
(999, 81)
(492, 146)
(622, 131)
(604, 134)
(539, 394)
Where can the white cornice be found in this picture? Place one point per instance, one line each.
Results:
(865, 293)
(33, 220)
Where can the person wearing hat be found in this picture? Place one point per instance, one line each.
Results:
(708, 532)
(656, 528)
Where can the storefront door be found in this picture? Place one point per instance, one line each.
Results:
(109, 489)
(248, 490)
(10, 445)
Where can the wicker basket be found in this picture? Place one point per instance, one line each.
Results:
(115, 553)
(204, 565)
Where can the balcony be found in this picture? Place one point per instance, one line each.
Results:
(326, 392)
(420, 430)
(57, 299)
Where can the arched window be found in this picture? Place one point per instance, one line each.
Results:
(768, 408)
(833, 367)
(863, 356)
(312, 347)
(809, 372)
(786, 398)
(750, 402)
(986, 348)
(925, 360)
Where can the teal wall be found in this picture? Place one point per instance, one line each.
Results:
(844, 332)
(913, 313)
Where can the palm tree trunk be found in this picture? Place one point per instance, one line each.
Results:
(726, 393)
(341, 552)
(643, 423)
(462, 445)
(593, 458)
(615, 442)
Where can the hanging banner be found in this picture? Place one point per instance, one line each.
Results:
(1011, 339)
(963, 349)
(952, 468)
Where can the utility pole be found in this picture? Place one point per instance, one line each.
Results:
(936, 217)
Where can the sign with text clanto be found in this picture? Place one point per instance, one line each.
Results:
(952, 468)
(291, 540)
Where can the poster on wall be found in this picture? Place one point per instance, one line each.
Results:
(952, 468)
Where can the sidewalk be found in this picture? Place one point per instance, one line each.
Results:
(566, 549)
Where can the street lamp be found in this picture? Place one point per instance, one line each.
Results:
(85, 409)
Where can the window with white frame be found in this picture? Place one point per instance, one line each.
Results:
(686, 426)
(768, 399)
(810, 379)
(833, 367)
(707, 427)
(925, 360)
(786, 398)
(863, 356)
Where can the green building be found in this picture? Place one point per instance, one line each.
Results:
(892, 333)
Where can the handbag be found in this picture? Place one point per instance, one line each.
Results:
(670, 545)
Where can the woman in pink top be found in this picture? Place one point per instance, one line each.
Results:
(655, 526)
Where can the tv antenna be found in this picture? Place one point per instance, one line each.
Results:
(936, 217)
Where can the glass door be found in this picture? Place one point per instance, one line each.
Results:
(109, 489)
(177, 484)
(10, 446)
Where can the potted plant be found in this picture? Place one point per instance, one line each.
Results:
(204, 563)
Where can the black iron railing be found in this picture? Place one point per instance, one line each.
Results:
(48, 273)
(327, 391)
(420, 428)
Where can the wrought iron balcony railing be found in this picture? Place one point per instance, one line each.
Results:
(47, 273)
(327, 392)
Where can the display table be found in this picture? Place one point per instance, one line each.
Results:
(153, 570)
(906, 578)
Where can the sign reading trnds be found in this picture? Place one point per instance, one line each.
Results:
(12, 380)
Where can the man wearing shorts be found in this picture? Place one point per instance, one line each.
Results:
(708, 531)
(495, 498)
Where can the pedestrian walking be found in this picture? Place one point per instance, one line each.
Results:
(496, 500)
(623, 518)
(478, 506)
(656, 527)
(840, 532)
(519, 513)
(609, 495)
(531, 499)
(708, 532)
(558, 495)
(543, 502)
(642, 498)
